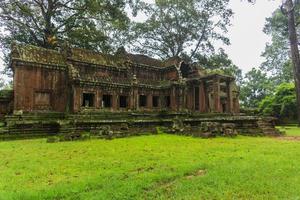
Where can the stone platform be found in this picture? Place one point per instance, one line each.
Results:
(123, 124)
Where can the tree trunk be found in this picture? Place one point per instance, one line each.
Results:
(289, 5)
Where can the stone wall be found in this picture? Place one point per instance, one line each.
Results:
(124, 124)
(39, 88)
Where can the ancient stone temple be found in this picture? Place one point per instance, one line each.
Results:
(73, 80)
(70, 91)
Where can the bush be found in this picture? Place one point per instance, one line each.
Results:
(282, 104)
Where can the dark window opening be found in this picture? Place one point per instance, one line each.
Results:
(197, 99)
(167, 101)
(155, 100)
(106, 101)
(123, 102)
(88, 99)
(224, 107)
(185, 70)
(143, 101)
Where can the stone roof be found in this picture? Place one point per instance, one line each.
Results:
(146, 60)
(88, 56)
(36, 54)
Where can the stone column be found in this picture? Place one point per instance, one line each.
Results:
(76, 99)
(115, 102)
(236, 107)
(98, 100)
(16, 88)
(149, 101)
(173, 99)
(229, 97)
(190, 97)
(216, 95)
(202, 97)
(181, 98)
(185, 97)
(136, 99)
(131, 99)
(196, 99)
(133, 102)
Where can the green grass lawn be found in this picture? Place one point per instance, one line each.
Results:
(290, 130)
(151, 167)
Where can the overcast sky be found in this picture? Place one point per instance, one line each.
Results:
(246, 36)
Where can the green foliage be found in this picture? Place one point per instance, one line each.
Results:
(220, 63)
(258, 89)
(177, 28)
(96, 25)
(282, 104)
(278, 63)
(255, 87)
(6, 93)
(151, 167)
(172, 28)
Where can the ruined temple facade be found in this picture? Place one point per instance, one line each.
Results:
(73, 80)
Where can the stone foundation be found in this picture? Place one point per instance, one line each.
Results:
(124, 124)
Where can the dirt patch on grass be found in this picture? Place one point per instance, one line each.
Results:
(198, 173)
(141, 170)
(168, 184)
(289, 138)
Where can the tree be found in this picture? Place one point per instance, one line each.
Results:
(255, 87)
(84, 23)
(289, 9)
(176, 28)
(282, 104)
(278, 64)
(220, 62)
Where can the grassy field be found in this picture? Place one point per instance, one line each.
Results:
(152, 167)
(290, 130)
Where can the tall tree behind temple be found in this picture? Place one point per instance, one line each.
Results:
(277, 53)
(278, 63)
(289, 9)
(91, 24)
(174, 28)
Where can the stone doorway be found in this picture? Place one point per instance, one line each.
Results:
(88, 100)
